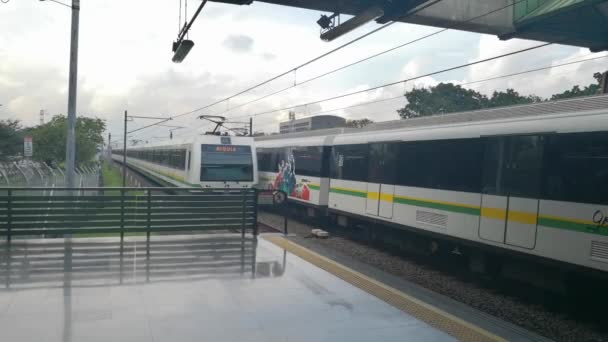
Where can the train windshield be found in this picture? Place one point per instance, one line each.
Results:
(226, 163)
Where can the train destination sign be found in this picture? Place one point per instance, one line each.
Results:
(226, 148)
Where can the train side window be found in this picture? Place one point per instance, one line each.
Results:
(350, 162)
(182, 159)
(262, 160)
(523, 165)
(513, 166)
(441, 164)
(492, 166)
(325, 161)
(382, 162)
(576, 168)
(267, 160)
(308, 160)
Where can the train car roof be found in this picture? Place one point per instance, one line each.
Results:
(305, 134)
(318, 140)
(587, 121)
(541, 109)
(201, 139)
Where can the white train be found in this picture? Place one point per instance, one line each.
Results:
(530, 179)
(207, 161)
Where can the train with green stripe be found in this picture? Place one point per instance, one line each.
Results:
(206, 161)
(530, 180)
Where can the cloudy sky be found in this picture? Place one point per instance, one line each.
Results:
(125, 63)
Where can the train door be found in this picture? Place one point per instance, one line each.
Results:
(372, 204)
(511, 184)
(381, 188)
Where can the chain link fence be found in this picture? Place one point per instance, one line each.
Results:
(28, 173)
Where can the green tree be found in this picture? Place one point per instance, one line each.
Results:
(440, 99)
(11, 139)
(50, 139)
(510, 97)
(448, 98)
(358, 123)
(576, 91)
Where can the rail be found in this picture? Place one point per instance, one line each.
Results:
(94, 211)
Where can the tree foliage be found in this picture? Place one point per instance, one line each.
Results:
(358, 123)
(11, 139)
(576, 91)
(50, 139)
(510, 98)
(443, 98)
(448, 98)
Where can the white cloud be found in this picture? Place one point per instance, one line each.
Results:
(125, 63)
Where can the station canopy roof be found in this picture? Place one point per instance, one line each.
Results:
(570, 22)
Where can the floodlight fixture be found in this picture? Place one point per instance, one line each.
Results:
(181, 50)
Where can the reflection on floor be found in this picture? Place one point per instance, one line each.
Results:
(184, 288)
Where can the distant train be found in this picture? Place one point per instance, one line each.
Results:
(207, 161)
(529, 179)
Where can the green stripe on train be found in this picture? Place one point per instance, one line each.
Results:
(348, 192)
(574, 226)
(314, 187)
(440, 206)
(564, 224)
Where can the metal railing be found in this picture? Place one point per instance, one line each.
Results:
(35, 212)
(275, 201)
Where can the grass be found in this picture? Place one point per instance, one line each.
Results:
(111, 176)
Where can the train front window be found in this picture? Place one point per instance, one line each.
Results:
(226, 163)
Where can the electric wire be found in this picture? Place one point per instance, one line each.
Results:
(360, 104)
(455, 25)
(411, 12)
(343, 67)
(406, 80)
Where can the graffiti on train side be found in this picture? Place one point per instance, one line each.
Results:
(286, 179)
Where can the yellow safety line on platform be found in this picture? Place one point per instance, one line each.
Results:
(427, 313)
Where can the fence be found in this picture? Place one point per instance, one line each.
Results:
(94, 211)
(28, 173)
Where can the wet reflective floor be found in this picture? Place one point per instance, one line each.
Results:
(185, 288)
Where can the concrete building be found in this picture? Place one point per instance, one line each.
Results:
(312, 123)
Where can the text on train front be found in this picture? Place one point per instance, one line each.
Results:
(226, 163)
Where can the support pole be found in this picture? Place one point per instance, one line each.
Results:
(124, 155)
(604, 83)
(70, 157)
(250, 127)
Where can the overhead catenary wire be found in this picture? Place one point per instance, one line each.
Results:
(418, 9)
(340, 68)
(405, 80)
(460, 84)
(360, 104)
(338, 48)
(296, 84)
